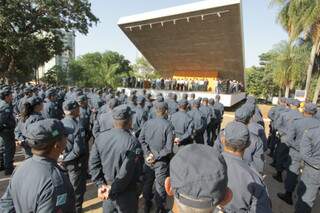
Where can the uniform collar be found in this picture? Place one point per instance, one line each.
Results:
(229, 155)
(44, 160)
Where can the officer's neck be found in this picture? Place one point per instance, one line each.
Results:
(235, 153)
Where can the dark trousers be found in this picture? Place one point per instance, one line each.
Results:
(198, 137)
(294, 163)
(78, 176)
(126, 202)
(308, 189)
(281, 156)
(157, 176)
(7, 149)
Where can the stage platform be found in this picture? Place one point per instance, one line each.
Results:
(227, 100)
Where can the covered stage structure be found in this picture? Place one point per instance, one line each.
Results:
(202, 40)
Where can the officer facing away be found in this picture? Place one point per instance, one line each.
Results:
(39, 184)
(156, 138)
(7, 125)
(198, 180)
(116, 164)
(74, 156)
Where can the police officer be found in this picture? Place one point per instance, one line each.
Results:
(31, 113)
(7, 125)
(28, 92)
(182, 125)
(220, 108)
(198, 187)
(309, 184)
(172, 104)
(105, 120)
(208, 113)
(74, 156)
(140, 117)
(285, 119)
(116, 164)
(295, 133)
(50, 107)
(254, 153)
(156, 138)
(245, 182)
(39, 184)
(199, 121)
(216, 119)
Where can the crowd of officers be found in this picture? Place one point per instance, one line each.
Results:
(154, 146)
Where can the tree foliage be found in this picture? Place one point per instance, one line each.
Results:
(144, 70)
(57, 75)
(31, 31)
(99, 69)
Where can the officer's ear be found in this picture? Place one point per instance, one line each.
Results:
(167, 186)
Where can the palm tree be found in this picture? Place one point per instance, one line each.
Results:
(287, 62)
(302, 17)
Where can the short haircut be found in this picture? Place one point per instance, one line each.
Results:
(235, 147)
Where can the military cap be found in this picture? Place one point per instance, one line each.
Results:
(198, 176)
(295, 102)
(217, 97)
(161, 106)
(243, 114)
(196, 102)
(185, 96)
(28, 89)
(122, 112)
(34, 100)
(51, 92)
(183, 102)
(5, 91)
(205, 99)
(41, 133)
(82, 98)
(70, 105)
(237, 133)
(251, 100)
(148, 95)
(159, 99)
(211, 101)
(79, 93)
(113, 103)
(310, 108)
(140, 99)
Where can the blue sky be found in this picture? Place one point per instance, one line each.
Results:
(261, 31)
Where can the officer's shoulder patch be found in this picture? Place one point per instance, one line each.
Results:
(61, 199)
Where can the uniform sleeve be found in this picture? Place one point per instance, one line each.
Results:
(95, 166)
(167, 149)
(142, 140)
(96, 128)
(7, 121)
(47, 202)
(129, 172)
(258, 156)
(18, 132)
(6, 202)
(306, 149)
(76, 146)
(260, 199)
(189, 131)
(291, 135)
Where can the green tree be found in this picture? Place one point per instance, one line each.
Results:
(31, 31)
(99, 69)
(302, 17)
(288, 62)
(56, 75)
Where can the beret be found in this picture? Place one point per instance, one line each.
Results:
(295, 102)
(310, 108)
(184, 96)
(122, 112)
(159, 99)
(196, 102)
(70, 105)
(237, 133)
(198, 172)
(42, 132)
(34, 100)
(211, 101)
